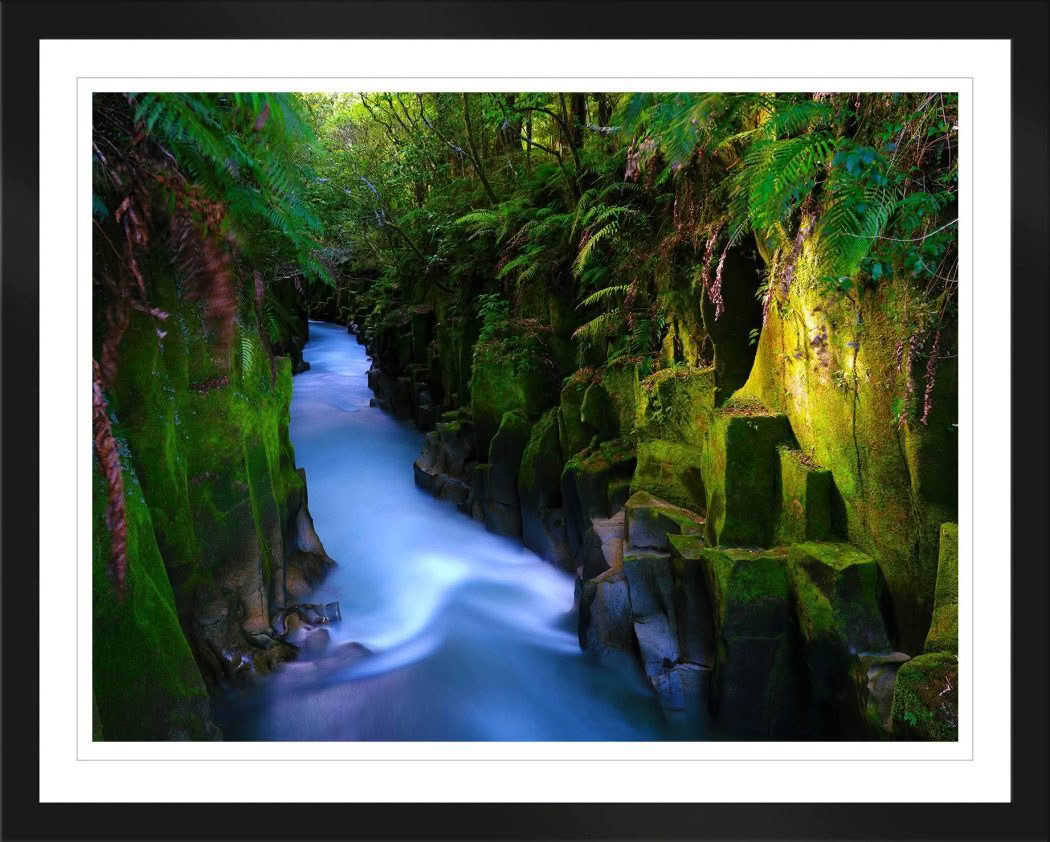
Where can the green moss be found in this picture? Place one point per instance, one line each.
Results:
(926, 698)
(805, 500)
(675, 405)
(757, 677)
(505, 454)
(746, 586)
(834, 372)
(741, 475)
(498, 386)
(838, 594)
(541, 462)
(944, 627)
(621, 381)
(574, 433)
(672, 472)
(598, 412)
(146, 684)
(207, 444)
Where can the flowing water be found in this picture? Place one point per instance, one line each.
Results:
(470, 633)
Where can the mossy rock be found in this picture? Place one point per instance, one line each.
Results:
(672, 472)
(695, 620)
(598, 412)
(749, 589)
(804, 512)
(741, 474)
(505, 453)
(573, 433)
(146, 684)
(838, 592)
(543, 525)
(650, 521)
(497, 388)
(926, 698)
(833, 370)
(676, 405)
(944, 627)
(651, 588)
(621, 381)
(585, 484)
(757, 686)
(539, 477)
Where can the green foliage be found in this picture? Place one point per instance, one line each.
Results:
(494, 311)
(243, 150)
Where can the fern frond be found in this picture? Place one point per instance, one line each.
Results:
(600, 326)
(602, 295)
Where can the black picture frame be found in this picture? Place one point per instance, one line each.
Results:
(24, 23)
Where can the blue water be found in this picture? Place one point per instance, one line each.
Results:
(469, 634)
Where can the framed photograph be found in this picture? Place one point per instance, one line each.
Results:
(524, 421)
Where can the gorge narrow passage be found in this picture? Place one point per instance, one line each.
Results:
(469, 632)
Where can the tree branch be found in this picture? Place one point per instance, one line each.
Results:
(474, 152)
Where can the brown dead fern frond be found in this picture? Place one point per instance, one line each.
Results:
(109, 461)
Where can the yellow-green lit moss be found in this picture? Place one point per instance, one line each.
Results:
(832, 368)
(944, 627)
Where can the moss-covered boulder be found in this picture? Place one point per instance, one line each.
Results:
(741, 474)
(756, 687)
(944, 627)
(926, 698)
(499, 385)
(650, 521)
(599, 412)
(875, 677)
(621, 381)
(671, 471)
(539, 489)
(505, 453)
(573, 433)
(585, 483)
(676, 405)
(806, 509)
(838, 591)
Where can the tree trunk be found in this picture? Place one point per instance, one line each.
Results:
(577, 119)
(604, 109)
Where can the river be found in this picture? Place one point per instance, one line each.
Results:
(470, 633)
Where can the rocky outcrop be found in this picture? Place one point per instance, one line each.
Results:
(725, 543)
(222, 535)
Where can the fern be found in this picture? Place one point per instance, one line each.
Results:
(600, 326)
(603, 295)
(247, 353)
